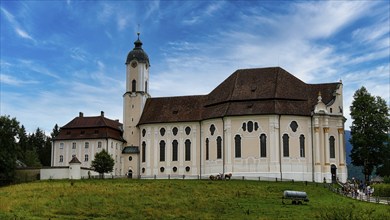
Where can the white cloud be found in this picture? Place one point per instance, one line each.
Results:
(35, 67)
(10, 80)
(152, 8)
(16, 26)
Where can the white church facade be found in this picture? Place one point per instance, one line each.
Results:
(260, 122)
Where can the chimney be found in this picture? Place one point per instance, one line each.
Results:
(81, 114)
(102, 113)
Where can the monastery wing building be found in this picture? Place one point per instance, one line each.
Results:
(261, 122)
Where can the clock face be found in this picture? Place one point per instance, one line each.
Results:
(134, 64)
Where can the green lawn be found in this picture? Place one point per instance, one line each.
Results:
(176, 199)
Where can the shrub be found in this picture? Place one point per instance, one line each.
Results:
(382, 190)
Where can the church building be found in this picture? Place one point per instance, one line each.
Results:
(261, 122)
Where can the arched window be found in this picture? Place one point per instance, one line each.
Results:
(294, 126)
(188, 130)
(256, 126)
(212, 130)
(133, 85)
(207, 149)
(250, 126)
(237, 141)
(174, 150)
(244, 126)
(188, 150)
(175, 130)
(162, 131)
(263, 145)
(332, 152)
(143, 151)
(286, 152)
(219, 147)
(302, 145)
(162, 150)
(61, 158)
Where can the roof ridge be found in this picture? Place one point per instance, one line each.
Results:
(276, 84)
(231, 92)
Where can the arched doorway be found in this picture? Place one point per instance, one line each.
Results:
(333, 171)
(130, 173)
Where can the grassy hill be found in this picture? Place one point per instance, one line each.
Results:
(177, 199)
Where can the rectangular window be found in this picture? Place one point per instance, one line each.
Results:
(86, 144)
(162, 151)
(188, 150)
(86, 157)
(286, 147)
(174, 150)
(237, 140)
(219, 147)
(99, 144)
(263, 145)
(207, 149)
(143, 151)
(73, 145)
(302, 145)
(332, 152)
(61, 145)
(61, 158)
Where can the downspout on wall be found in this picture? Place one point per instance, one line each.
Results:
(223, 144)
(200, 150)
(280, 149)
(312, 147)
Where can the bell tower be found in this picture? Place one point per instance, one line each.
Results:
(137, 79)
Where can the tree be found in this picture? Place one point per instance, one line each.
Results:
(55, 132)
(103, 163)
(384, 169)
(369, 130)
(9, 129)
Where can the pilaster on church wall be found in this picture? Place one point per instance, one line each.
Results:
(228, 144)
(212, 165)
(274, 148)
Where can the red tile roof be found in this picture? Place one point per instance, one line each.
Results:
(95, 127)
(258, 91)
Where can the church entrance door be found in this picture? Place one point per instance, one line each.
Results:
(333, 171)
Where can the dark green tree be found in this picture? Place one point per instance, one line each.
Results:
(9, 129)
(36, 142)
(55, 132)
(384, 168)
(370, 125)
(22, 144)
(103, 163)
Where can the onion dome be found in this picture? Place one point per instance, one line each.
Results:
(138, 53)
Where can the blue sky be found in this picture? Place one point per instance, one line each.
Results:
(59, 58)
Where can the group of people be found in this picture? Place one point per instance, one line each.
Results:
(356, 187)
